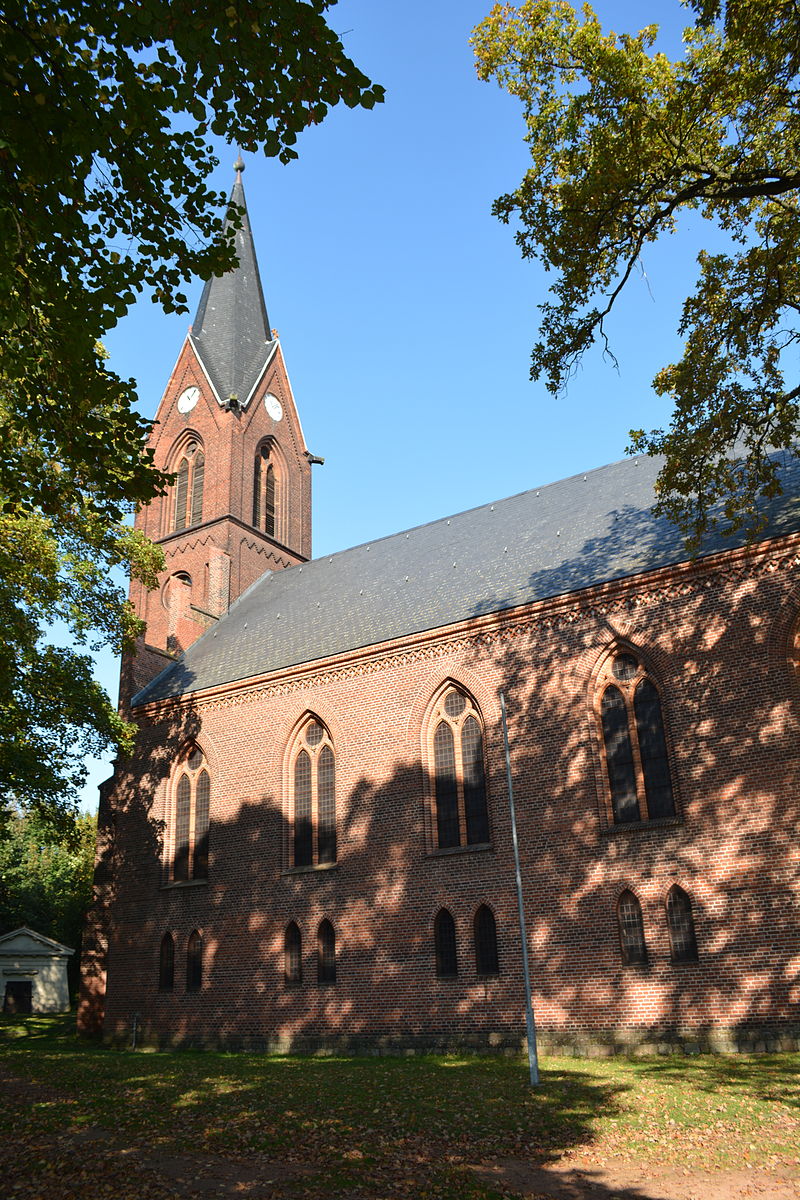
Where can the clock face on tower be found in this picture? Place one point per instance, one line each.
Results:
(273, 406)
(188, 399)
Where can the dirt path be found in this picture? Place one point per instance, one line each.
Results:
(570, 1180)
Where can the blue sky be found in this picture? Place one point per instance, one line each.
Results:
(405, 311)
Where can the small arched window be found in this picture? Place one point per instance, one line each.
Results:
(444, 939)
(293, 954)
(313, 816)
(631, 930)
(192, 818)
(462, 814)
(487, 961)
(166, 964)
(634, 742)
(680, 922)
(189, 481)
(265, 493)
(326, 953)
(194, 962)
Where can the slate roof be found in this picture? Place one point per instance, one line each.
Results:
(231, 332)
(547, 542)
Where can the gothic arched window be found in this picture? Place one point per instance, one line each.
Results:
(634, 742)
(293, 954)
(444, 939)
(459, 778)
(631, 930)
(326, 953)
(265, 485)
(166, 964)
(188, 494)
(313, 810)
(680, 922)
(487, 961)
(192, 813)
(194, 962)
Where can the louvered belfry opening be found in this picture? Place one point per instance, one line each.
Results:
(181, 494)
(198, 480)
(264, 493)
(188, 490)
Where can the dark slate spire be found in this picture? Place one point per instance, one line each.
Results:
(231, 332)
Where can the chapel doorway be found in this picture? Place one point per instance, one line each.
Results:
(18, 997)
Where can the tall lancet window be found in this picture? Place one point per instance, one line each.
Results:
(192, 801)
(461, 809)
(188, 492)
(313, 815)
(264, 493)
(634, 741)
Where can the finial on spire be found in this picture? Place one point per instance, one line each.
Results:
(239, 164)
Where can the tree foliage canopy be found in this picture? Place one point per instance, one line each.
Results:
(53, 712)
(46, 880)
(622, 141)
(105, 115)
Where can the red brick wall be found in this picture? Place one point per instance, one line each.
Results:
(716, 638)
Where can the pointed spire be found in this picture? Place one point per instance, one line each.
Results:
(231, 331)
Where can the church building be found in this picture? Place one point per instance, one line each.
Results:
(312, 844)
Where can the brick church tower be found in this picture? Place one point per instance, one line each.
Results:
(228, 428)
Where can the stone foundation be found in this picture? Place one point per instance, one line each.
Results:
(631, 1042)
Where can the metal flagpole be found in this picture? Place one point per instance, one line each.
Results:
(533, 1059)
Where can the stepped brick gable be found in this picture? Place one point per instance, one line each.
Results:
(312, 843)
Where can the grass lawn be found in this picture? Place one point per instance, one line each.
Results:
(372, 1127)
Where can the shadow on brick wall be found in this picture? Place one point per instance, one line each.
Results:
(707, 640)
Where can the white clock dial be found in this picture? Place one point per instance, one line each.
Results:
(188, 399)
(273, 406)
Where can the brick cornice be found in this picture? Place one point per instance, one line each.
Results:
(190, 536)
(629, 594)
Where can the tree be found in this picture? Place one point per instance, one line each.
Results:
(46, 881)
(53, 713)
(622, 141)
(105, 115)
